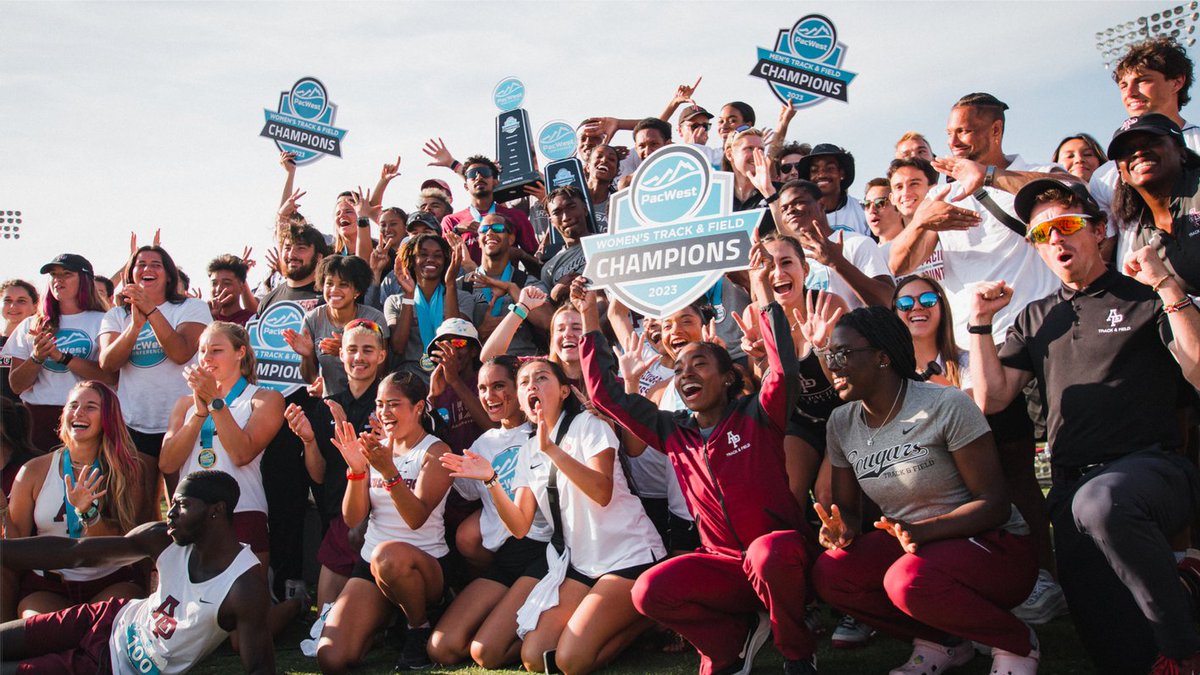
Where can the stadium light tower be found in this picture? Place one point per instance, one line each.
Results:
(1177, 22)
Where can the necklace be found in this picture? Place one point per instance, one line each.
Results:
(871, 438)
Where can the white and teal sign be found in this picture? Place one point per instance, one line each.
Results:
(508, 94)
(303, 124)
(278, 366)
(71, 341)
(805, 65)
(671, 235)
(556, 140)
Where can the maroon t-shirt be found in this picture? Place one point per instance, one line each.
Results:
(526, 238)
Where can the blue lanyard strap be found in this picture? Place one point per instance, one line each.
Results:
(430, 313)
(479, 216)
(714, 293)
(74, 526)
(486, 291)
(210, 426)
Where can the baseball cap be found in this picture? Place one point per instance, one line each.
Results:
(423, 218)
(439, 184)
(1157, 125)
(692, 111)
(1027, 195)
(69, 261)
(460, 328)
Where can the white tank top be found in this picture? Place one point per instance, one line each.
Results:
(50, 517)
(170, 631)
(676, 502)
(249, 477)
(386, 523)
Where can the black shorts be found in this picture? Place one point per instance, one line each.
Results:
(362, 569)
(517, 558)
(656, 511)
(631, 573)
(1012, 423)
(808, 430)
(682, 535)
(147, 444)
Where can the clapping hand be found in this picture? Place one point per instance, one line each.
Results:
(299, 424)
(351, 446)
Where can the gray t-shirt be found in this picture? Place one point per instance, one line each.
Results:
(908, 469)
(318, 325)
(523, 341)
(415, 348)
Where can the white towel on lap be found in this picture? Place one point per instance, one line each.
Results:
(544, 595)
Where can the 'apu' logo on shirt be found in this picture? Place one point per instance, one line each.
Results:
(1114, 317)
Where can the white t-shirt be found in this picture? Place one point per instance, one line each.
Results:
(862, 252)
(934, 266)
(676, 502)
(500, 447)
(850, 218)
(601, 539)
(77, 335)
(1104, 183)
(176, 627)
(714, 155)
(992, 252)
(386, 523)
(249, 477)
(150, 382)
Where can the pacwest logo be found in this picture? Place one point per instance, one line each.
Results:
(872, 465)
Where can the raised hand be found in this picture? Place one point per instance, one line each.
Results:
(989, 297)
(902, 531)
(202, 383)
(84, 492)
(966, 172)
(467, 465)
(246, 253)
(685, 94)
(298, 422)
(272, 256)
(288, 161)
(331, 346)
(364, 207)
(336, 409)
(404, 277)
(351, 446)
(435, 148)
(1147, 267)
(632, 362)
(317, 388)
(819, 317)
(761, 264)
(786, 113)
(602, 126)
(761, 180)
(452, 269)
(380, 258)
(581, 298)
(378, 454)
(818, 247)
(708, 333)
(937, 215)
(834, 532)
(291, 204)
(531, 298)
(390, 171)
(752, 341)
(300, 342)
(536, 190)
(450, 359)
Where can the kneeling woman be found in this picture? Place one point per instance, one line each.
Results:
(727, 450)
(951, 555)
(90, 485)
(482, 621)
(396, 482)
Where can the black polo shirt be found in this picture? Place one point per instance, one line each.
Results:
(1111, 384)
(1181, 247)
(358, 412)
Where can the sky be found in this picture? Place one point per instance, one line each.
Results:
(121, 117)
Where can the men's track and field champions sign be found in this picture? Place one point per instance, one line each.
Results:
(671, 235)
(805, 65)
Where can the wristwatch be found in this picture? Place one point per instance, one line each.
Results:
(216, 404)
(364, 222)
(66, 359)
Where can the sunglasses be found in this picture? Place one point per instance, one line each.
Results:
(498, 228)
(837, 360)
(365, 323)
(700, 125)
(744, 127)
(876, 204)
(485, 171)
(1064, 225)
(906, 303)
(457, 343)
(790, 167)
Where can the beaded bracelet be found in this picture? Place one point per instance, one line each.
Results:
(1179, 306)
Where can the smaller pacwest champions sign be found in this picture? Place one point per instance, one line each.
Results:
(304, 122)
(278, 366)
(671, 235)
(805, 66)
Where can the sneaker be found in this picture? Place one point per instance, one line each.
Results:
(813, 615)
(801, 666)
(929, 657)
(1008, 663)
(1045, 603)
(414, 655)
(760, 629)
(1169, 666)
(851, 633)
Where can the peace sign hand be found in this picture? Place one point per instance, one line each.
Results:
(752, 342)
(82, 493)
(834, 533)
(708, 333)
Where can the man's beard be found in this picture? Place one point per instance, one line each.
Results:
(302, 273)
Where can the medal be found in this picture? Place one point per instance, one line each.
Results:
(427, 363)
(207, 458)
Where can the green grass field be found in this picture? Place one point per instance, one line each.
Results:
(1061, 654)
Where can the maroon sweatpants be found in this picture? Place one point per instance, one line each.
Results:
(955, 587)
(711, 600)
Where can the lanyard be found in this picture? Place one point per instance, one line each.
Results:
(74, 526)
(430, 313)
(486, 291)
(479, 216)
(210, 426)
(714, 293)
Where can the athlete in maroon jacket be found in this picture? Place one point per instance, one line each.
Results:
(728, 455)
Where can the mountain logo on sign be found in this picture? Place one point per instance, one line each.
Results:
(308, 99)
(510, 89)
(511, 125)
(279, 317)
(563, 177)
(508, 94)
(670, 188)
(813, 37)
